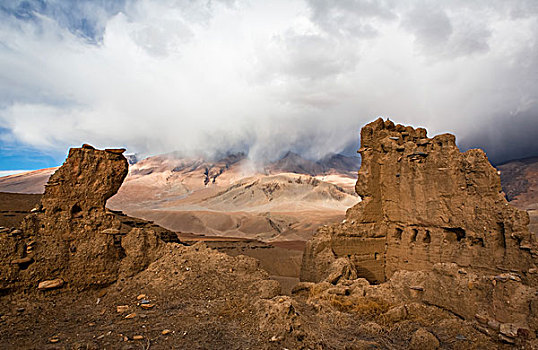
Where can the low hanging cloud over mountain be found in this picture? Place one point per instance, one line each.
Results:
(266, 77)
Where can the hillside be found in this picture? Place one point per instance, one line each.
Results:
(234, 197)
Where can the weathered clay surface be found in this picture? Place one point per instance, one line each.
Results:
(425, 205)
(72, 236)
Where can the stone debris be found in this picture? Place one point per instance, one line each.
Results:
(122, 308)
(51, 284)
(166, 332)
(23, 261)
(508, 329)
(111, 231)
(138, 337)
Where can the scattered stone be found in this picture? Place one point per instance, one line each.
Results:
(23, 261)
(481, 318)
(111, 231)
(418, 288)
(141, 296)
(122, 308)
(494, 324)
(275, 338)
(54, 340)
(51, 284)
(506, 339)
(138, 337)
(145, 301)
(129, 316)
(16, 232)
(166, 332)
(507, 277)
(147, 306)
(508, 329)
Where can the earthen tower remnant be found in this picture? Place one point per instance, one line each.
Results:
(72, 239)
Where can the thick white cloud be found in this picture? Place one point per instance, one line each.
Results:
(269, 76)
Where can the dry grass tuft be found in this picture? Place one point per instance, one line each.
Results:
(362, 306)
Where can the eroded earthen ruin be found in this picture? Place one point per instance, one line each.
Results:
(424, 202)
(72, 239)
(430, 209)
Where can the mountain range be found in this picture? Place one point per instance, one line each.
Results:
(232, 196)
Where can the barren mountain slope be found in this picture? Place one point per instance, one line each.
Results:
(519, 180)
(28, 182)
(232, 197)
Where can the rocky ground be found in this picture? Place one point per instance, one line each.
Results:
(197, 298)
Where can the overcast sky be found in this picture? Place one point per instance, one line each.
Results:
(263, 77)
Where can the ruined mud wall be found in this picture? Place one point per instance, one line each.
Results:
(71, 239)
(424, 202)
